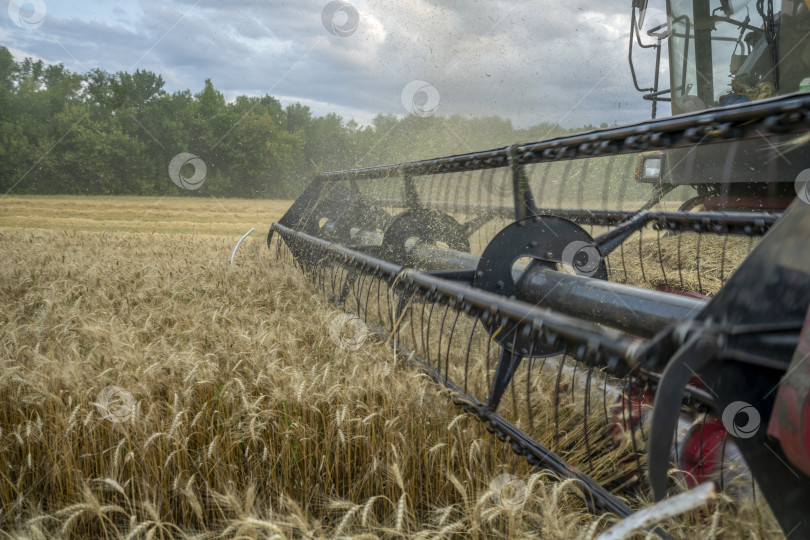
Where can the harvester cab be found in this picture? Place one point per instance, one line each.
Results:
(724, 52)
(609, 330)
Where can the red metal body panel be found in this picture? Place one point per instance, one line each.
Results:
(790, 420)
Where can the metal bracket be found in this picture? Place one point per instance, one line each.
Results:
(698, 351)
(524, 200)
(504, 371)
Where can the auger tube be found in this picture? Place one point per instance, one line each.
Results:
(638, 311)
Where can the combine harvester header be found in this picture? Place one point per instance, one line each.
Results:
(616, 304)
(520, 309)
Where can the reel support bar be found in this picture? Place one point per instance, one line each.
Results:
(641, 312)
(638, 311)
(782, 115)
(747, 223)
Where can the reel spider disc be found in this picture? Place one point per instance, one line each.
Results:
(422, 226)
(549, 241)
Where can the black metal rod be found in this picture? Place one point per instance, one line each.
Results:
(611, 240)
(748, 121)
(638, 311)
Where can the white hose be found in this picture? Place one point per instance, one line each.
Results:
(239, 242)
(673, 506)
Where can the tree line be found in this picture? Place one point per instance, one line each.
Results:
(101, 133)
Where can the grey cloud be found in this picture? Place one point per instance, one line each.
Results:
(530, 61)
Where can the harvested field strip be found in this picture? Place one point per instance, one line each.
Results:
(212, 216)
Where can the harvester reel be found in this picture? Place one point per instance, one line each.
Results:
(359, 214)
(422, 226)
(641, 346)
(550, 241)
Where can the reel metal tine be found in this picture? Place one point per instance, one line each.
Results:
(557, 402)
(352, 283)
(641, 254)
(389, 296)
(753, 490)
(633, 425)
(337, 270)
(581, 192)
(606, 184)
(563, 182)
(422, 338)
(677, 456)
(661, 256)
(427, 342)
(327, 272)
(702, 460)
(369, 291)
(604, 397)
(722, 478)
(337, 279)
(467, 356)
(529, 364)
(380, 317)
(415, 343)
(466, 179)
(624, 267)
(723, 260)
(317, 276)
(455, 182)
(366, 288)
(624, 402)
(357, 289)
(574, 378)
(629, 173)
(488, 358)
(439, 344)
(680, 262)
(513, 363)
(488, 185)
(586, 412)
(450, 342)
(700, 282)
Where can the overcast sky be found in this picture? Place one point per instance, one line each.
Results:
(528, 60)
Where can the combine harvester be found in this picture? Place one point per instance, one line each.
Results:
(606, 338)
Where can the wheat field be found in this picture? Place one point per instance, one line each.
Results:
(149, 390)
